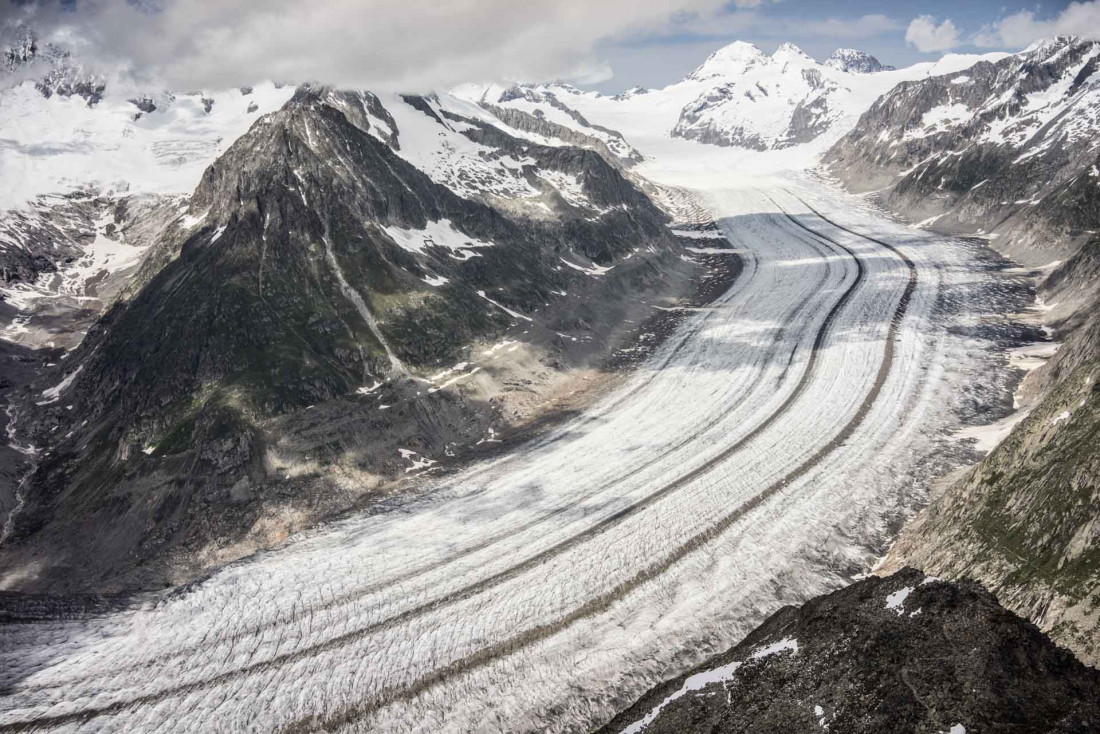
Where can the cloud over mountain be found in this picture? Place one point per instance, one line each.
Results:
(382, 44)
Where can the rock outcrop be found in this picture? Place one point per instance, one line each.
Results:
(908, 653)
(855, 62)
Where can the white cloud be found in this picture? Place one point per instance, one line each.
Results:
(1023, 28)
(927, 35)
(865, 26)
(381, 44)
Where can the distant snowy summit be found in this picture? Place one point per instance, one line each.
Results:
(763, 102)
(740, 57)
(739, 97)
(760, 102)
(729, 61)
(855, 62)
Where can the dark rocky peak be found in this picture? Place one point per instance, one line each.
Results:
(314, 149)
(854, 61)
(316, 261)
(309, 190)
(907, 653)
(362, 109)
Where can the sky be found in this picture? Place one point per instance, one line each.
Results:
(419, 45)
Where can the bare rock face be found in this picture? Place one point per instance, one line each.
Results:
(855, 62)
(145, 104)
(1002, 148)
(908, 653)
(1007, 150)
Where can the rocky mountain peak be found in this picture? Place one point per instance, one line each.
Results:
(855, 61)
(1052, 43)
(345, 241)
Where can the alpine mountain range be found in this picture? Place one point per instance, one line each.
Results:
(765, 401)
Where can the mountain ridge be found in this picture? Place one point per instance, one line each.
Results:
(320, 267)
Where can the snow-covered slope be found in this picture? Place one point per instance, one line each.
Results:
(64, 127)
(538, 110)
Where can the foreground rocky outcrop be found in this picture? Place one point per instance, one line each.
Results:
(908, 653)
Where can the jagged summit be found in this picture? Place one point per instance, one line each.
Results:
(855, 61)
(50, 67)
(1052, 43)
